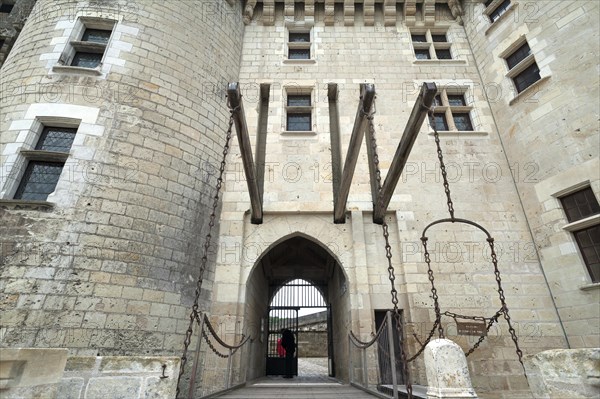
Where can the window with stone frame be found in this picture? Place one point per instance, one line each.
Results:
(299, 45)
(88, 45)
(494, 9)
(522, 68)
(581, 208)
(298, 110)
(451, 111)
(45, 163)
(431, 45)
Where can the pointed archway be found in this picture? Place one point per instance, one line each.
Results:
(297, 257)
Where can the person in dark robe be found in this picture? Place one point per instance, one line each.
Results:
(289, 344)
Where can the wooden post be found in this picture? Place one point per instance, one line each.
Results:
(235, 101)
(419, 111)
(367, 95)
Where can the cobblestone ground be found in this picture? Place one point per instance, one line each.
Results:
(313, 367)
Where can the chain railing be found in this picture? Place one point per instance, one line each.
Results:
(217, 365)
(376, 365)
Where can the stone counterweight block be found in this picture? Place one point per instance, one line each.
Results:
(447, 371)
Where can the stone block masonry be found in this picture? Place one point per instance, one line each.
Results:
(108, 265)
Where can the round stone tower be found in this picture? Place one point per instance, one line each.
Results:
(113, 121)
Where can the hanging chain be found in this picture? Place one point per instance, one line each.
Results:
(388, 255)
(504, 308)
(434, 295)
(194, 316)
(440, 155)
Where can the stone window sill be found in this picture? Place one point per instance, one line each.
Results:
(75, 70)
(591, 286)
(460, 134)
(302, 133)
(25, 204)
(440, 62)
(529, 90)
(300, 62)
(583, 223)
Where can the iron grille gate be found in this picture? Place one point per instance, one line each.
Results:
(283, 313)
(281, 317)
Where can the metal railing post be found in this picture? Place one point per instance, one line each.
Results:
(392, 353)
(350, 361)
(365, 367)
(196, 360)
(229, 361)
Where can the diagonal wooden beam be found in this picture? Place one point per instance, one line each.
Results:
(418, 114)
(367, 95)
(235, 101)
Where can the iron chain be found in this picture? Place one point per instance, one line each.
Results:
(440, 155)
(194, 316)
(388, 255)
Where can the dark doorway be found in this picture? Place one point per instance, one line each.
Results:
(382, 351)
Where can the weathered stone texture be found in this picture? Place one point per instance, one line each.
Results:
(93, 273)
(561, 373)
(550, 135)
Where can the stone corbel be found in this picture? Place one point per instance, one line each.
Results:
(329, 12)
(457, 10)
(389, 13)
(289, 11)
(410, 12)
(309, 8)
(369, 12)
(268, 12)
(349, 12)
(429, 12)
(249, 11)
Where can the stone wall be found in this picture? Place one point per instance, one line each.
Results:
(561, 373)
(348, 50)
(48, 374)
(312, 344)
(108, 264)
(11, 25)
(550, 135)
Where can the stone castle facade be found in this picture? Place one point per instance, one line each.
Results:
(100, 254)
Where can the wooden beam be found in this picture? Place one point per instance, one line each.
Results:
(367, 95)
(418, 114)
(334, 131)
(235, 101)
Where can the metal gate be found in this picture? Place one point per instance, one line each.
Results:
(286, 301)
(281, 317)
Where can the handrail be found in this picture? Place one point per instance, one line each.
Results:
(363, 345)
(220, 341)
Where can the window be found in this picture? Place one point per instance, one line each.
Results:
(86, 50)
(431, 45)
(90, 50)
(495, 8)
(299, 43)
(45, 164)
(522, 68)
(299, 46)
(451, 111)
(578, 206)
(298, 110)
(6, 8)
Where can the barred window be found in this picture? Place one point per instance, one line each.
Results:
(522, 68)
(451, 111)
(578, 206)
(45, 163)
(429, 45)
